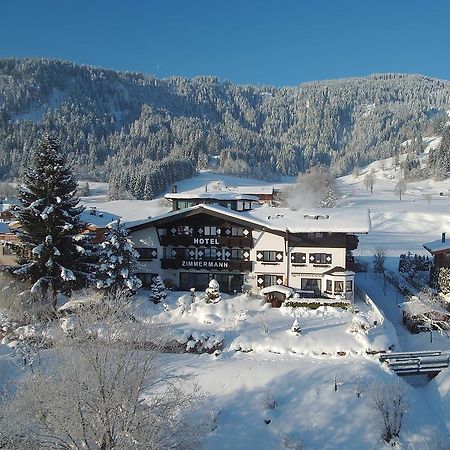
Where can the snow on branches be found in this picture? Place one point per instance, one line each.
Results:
(117, 261)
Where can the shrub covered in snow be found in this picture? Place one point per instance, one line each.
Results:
(212, 292)
(159, 293)
(296, 329)
(201, 341)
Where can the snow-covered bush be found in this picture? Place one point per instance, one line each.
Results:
(295, 328)
(202, 341)
(159, 293)
(212, 292)
(268, 400)
(291, 442)
(117, 261)
(184, 302)
(359, 324)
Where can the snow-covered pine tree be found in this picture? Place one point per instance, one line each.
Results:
(212, 292)
(117, 261)
(54, 255)
(158, 290)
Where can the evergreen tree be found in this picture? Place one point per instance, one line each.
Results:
(158, 290)
(117, 261)
(212, 292)
(54, 254)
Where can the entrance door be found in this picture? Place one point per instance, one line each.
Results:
(199, 281)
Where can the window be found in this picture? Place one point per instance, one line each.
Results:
(182, 204)
(237, 254)
(298, 258)
(209, 253)
(311, 284)
(147, 253)
(338, 287)
(349, 286)
(270, 256)
(210, 231)
(329, 286)
(269, 280)
(184, 230)
(320, 258)
(146, 279)
(240, 205)
(247, 206)
(237, 231)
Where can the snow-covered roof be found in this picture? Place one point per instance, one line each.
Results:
(217, 191)
(4, 227)
(214, 195)
(336, 220)
(437, 246)
(100, 219)
(287, 291)
(339, 271)
(416, 306)
(7, 203)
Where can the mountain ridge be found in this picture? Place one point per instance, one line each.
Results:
(141, 132)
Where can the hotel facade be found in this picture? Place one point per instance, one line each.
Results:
(247, 245)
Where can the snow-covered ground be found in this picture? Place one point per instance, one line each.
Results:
(262, 360)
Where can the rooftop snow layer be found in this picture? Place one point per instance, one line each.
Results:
(100, 219)
(4, 227)
(437, 246)
(337, 220)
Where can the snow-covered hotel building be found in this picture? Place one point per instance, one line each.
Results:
(247, 245)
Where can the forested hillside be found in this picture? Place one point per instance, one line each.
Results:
(142, 133)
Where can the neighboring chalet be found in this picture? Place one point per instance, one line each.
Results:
(96, 221)
(248, 246)
(440, 249)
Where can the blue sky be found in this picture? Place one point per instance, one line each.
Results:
(282, 42)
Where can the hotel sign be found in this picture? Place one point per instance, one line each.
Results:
(205, 241)
(194, 264)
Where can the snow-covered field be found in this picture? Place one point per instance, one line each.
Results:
(263, 363)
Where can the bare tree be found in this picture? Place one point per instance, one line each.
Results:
(369, 181)
(391, 404)
(101, 390)
(428, 198)
(400, 188)
(379, 264)
(7, 190)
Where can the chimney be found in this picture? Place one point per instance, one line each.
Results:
(174, 189)
(443, 237)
